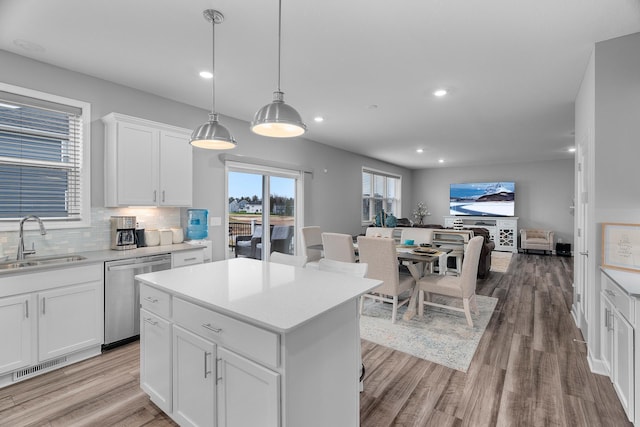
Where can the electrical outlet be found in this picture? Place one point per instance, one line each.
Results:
(215, 221)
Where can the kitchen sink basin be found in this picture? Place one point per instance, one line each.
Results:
(33, 262)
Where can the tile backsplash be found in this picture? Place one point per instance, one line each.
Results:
(94, 238)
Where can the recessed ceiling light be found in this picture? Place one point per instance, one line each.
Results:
(206, 75)
(419, 150)
(440, 160)
(572, 150)
(440, 92)
(318, 119)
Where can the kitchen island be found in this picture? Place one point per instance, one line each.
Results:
(244, 342)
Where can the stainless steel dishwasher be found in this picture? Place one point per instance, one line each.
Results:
(122, 294)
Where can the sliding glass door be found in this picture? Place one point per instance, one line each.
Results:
(263, 210)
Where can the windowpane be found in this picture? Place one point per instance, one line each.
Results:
(378, 186)
(366, 209)
(366, 184)
(40, 158)
(384, 194)
(391, 187)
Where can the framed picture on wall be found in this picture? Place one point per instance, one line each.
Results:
(621, 246)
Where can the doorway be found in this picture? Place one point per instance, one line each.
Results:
(263, 210)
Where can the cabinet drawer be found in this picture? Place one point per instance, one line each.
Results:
(255, 343)
(505, 224)
(180, 259)
(619, 298)
(155, 301)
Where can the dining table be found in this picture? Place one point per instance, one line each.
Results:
(418, 259)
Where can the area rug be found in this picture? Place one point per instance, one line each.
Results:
(441, 336)
(500, 261)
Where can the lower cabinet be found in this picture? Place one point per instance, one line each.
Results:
(155, 359)
(617, 342)
(57, 322)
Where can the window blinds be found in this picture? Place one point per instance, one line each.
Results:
(40, 158)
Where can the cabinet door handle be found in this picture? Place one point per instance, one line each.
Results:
(218, 371)
(211, 328)
(44, 301)
(155, 195)
(190, 259)
(150, 321)
(162, 196)
(206, 369)
(606, 318)
(26, 309)
(151, 300)
(610, 292)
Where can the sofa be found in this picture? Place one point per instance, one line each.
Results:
(484, 264)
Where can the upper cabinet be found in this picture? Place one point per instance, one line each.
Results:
(146, 163)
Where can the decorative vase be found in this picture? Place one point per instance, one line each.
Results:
(458, 224)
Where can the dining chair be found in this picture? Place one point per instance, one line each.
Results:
(338, 247)
(295, 260)
(311, 236)
(379, 232)
(382, 258)
(462, 286)
(357, 269)
(418, 235)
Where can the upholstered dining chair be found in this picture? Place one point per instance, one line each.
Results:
(295, 260)
(462, 286)
(418, 235)
(382, 258)
(357, 269)
(338, 247)
(311, 236)
(379, 232)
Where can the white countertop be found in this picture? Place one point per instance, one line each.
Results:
(627, 280)
(276, 296)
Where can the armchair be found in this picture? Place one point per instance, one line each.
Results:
(281, 236)
(246, 245)
(536, 239)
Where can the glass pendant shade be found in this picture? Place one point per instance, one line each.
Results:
(213, 136)
(278, 120)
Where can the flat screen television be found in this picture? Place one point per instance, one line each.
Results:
(482, 199)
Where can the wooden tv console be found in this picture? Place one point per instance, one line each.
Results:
(503, 230)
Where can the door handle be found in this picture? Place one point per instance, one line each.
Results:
(206, 369)
(586, 253)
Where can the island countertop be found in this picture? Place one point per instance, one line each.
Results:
(276, 296)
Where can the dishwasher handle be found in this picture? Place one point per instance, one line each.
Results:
(133, 266)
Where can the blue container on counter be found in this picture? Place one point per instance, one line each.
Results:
(197, 224)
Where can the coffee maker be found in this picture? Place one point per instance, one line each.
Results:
(123, 232)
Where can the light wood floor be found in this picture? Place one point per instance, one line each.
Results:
(530, 370)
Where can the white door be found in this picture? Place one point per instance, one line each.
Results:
(176, 170)
(194, 379)
(581, 260)
(137, 165)
(69, 319)
(248, 394)
(16, 330)
(155, 359)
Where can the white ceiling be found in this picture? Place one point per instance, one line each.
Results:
(512, 68)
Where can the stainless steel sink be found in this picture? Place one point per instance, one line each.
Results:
(33, 262)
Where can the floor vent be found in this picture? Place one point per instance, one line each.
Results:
(32, 370)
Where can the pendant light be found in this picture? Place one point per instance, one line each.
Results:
(278, 119)
(212, 135)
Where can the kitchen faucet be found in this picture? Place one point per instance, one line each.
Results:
(21, 251)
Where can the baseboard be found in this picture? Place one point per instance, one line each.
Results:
(597, 366)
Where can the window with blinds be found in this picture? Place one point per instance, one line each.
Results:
(41, 158)
(380, 191)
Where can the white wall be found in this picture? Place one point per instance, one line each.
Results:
(333, 199)
(544, 192)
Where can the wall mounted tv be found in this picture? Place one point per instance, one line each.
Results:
(482, 199)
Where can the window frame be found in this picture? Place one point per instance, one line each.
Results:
(84, 219)
(396, 201)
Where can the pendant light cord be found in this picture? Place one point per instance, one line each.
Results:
(213, 66)
(279, 39)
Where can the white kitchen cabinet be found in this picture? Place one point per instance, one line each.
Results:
(182, 258)
(617, 341)
(244, 384)
(146, 163)
(155, 359)
(502, 230)
(16, 330)
(58, 320)
(194, 379)
(69, 319)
